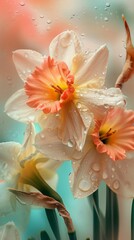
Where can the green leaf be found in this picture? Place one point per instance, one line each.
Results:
(44, 236)
(53, 221)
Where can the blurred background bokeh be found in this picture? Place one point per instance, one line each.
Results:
(32, 24)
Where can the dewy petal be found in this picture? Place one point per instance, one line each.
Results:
(8, 159)
(87, 174)
(72, 128)
(91, 71)
(26, 61)
(119, 175)
(9, 231)
(96, 99)
(48, 143)
(17, 108)
(65, 46)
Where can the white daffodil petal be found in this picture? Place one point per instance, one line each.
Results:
(72, 128)
(25, 61)
(8, 159)
(101, 98)
(9, 231)
(119, 176)
(28, 147)
(7, 200)
(65, 46)
(91, 71)
(48, 172)
(87, 174)
(17, 108)
(48, 143)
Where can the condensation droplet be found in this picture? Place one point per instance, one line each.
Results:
(106, 19)
(22, 4)
(70, 143)
(116, 184)
(107, 4)
(41, 16)
(42, 135)
(84, 185)
(96, 167)
(49, 21)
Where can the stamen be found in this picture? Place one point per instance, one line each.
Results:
(58, 89)
(106, 135)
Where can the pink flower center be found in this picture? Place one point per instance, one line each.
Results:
(114, 135)
(50, 86)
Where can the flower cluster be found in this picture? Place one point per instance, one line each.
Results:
(80, 120)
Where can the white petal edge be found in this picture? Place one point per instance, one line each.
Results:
(111, 97)
(119, 176)
(17, 108)
(91, 71)
(8, 159)
(9, 231)
(65, 46)
(25, 62)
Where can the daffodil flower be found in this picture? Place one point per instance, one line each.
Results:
(128, 68)
(65, 87)
(9, 231)
(107, 154)
(20, 166)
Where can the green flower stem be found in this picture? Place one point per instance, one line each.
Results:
(53, 221)
(125, 207)
(132, 221)
(72, 236)
(111, 219)
(96, 222)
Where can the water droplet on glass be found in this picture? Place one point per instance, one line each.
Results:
(84, 185)
(70, 143)
(120, 55)
(116, 184)
(41, 16)
(106, 19)
(49, 21)
(96, 167)
(22, 4)
(107, 4)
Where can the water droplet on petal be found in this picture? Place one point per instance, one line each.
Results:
(42, 135)
(96, 167)
(70, 143)
(116, 184)
(78, 105)
(104, 175)
(84, 185)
